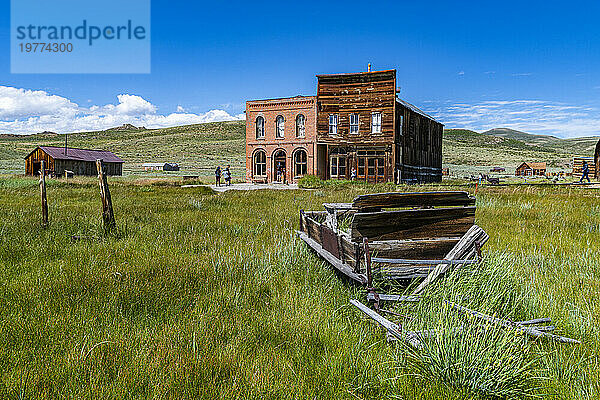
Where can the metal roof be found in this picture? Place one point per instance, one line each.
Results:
(58, 153)
(414, 108)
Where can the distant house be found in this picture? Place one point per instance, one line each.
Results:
(160, 167)
(531, 169)
(79, 161)
(578, 166)
(497, 169)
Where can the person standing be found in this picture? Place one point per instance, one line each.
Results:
(353, 174)
(218, 176)
(227, 176)
(585, 173)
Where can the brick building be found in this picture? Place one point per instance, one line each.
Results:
(355, 125)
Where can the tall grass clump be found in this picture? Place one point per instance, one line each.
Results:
(468, 354)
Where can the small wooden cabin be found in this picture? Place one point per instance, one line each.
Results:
(79, 161)
(578, 166)
(160, 167)
(531, 169)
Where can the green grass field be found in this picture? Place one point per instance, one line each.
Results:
(210, 296)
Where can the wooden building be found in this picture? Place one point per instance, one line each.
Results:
(578, 166)
(355, 125)
(79, 161)
(531, 169)
(160, 166)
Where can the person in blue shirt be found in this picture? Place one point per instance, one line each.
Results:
(585, 173)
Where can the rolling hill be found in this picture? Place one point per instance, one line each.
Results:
(199, 148)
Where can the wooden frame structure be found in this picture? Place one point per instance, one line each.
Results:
(419, 234)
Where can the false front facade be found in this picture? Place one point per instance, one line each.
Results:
(355, 128)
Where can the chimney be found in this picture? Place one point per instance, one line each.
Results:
(66, 143)
(369, 68)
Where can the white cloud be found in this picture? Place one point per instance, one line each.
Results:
(461, 73)
(25, 112)
(20, 103)
(532, 116)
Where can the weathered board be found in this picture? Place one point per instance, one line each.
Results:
(412, 224)
(398, 199)
(336, 263)
(415, 249)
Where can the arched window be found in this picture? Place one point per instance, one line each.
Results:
(279, 126)
(260, 127)
(260, 163)
(300, 125)
(300, 162)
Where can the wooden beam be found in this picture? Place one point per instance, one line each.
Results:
(391, 327)
(464, 249)
(399, 199)
(43, 194)
(343, 268)
(393, 297)
(420, 262)
(531, 331)
(108, 216)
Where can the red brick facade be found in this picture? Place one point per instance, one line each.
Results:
(289, 155)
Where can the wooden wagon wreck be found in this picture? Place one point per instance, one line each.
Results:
(405, 235)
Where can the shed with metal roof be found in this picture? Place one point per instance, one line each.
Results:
(79, 161)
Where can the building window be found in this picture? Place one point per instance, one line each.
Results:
(333, 124)
(337, 163)
(300, 125)
(279, 127)
(353, 123)
(300, 163)
(260, 128)
(376, 122)
(260, 163)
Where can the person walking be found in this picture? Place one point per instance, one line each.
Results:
(218, 176)
(585, 173)
(227, 175)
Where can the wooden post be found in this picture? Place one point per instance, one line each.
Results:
(43, 193)
(108, 215)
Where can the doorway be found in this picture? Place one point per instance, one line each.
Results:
(371, 165)
(279, 166)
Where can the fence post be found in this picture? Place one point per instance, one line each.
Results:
(43, 194)
(108, 215)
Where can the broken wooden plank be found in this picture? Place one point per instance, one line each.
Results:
(412, 224)
(331, 207)
(415, 249)
(431, 333)
(420, 262)
(391, 327)
(464, 249)
(531, 331)
(336, 263)
(404, 272)
(393, 297)
(536, 321)
(399, 199)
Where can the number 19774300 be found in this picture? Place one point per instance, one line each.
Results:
(46, 47)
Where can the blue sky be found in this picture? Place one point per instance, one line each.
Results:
(533, 66)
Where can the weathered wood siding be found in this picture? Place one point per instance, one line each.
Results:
(421, 142)
(32, 162)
